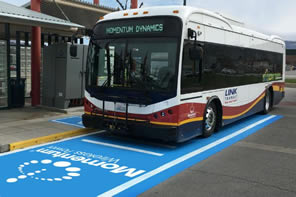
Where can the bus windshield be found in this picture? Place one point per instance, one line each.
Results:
(133, 63)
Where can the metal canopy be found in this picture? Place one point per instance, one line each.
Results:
(77, 11)
(22, 16)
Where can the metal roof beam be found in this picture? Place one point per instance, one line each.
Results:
(76, 4)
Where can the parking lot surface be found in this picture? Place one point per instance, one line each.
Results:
(119, 166)
(253, 157)
(263, 164)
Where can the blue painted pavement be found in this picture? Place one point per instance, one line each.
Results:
(75, 121)
(104, 165)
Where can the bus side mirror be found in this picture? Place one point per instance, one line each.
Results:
(195, 53)
(191, 33)
(73, 50)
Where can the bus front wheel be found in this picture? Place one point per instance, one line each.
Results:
(210, 120)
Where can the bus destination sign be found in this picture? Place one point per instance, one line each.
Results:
(150, 26)
(133, 29)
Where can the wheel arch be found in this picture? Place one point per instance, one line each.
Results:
(270, 89)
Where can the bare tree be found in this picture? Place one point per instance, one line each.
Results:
(124, 7)
(126, 4)
(121, 5)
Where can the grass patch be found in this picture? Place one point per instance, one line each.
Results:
(290, 80)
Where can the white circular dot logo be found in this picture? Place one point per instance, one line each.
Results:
(62, 164)
(73, 169)
(73, 174)
(11, 180)
(67, 177)
(34, 161)
(46, 161)
(42, 173)
(22, 177)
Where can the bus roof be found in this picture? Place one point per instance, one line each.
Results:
(184, 13)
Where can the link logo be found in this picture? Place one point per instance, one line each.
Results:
(230, 95)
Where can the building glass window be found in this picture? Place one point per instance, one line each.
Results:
(3, 71)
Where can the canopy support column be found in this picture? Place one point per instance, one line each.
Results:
(35, 57)
(134, 4)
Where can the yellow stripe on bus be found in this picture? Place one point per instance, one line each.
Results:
(278, 88)
(117, 117)
(177, 124)
(235, 116)
(152, 122)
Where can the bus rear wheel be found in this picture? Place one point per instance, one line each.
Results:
(267, 102)
(210, 120)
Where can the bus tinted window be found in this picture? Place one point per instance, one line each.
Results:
(191, 71)
(228, 66)
(138, 64)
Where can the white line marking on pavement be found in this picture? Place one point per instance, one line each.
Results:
(168, 165)
(123, 147)
(141, 141)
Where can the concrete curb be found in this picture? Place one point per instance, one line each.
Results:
(4, 148)
(65, 111)
(44, 139)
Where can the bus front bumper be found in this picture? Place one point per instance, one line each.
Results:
(135, 128)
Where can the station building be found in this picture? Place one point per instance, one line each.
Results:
(24, 33)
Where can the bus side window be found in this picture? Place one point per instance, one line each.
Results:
(191, 71)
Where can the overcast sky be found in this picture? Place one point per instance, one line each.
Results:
(267, 16)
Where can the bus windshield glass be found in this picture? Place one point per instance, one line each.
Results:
(139, 63)
(135, 54)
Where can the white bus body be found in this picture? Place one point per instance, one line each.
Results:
(194, 111)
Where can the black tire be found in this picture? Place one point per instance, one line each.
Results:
(210, 121)
(267, 102)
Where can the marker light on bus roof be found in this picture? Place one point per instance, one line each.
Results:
(136, 13)
(125, 14)
(145, 12)
(176, 11)
(101, 18)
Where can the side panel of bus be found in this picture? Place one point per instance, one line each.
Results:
(237, 101)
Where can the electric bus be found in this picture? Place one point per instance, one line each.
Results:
(177, 72)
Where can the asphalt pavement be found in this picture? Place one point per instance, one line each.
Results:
(262, 164)
(291, 74)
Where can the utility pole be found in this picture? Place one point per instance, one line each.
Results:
(184, 2)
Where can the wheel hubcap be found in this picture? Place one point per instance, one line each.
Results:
(210, 119)
(267, 101)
